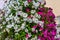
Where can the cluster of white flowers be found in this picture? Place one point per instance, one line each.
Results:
(11, 20)
(22, 14)
(58, 33)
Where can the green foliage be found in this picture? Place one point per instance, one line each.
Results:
(4, 35)
(13, 11)
(17, 37)
(11, 32)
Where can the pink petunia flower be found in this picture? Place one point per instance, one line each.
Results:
(27, 36)
(40, 13)
(27, 10)
(29, 1)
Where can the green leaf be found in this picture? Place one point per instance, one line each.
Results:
(22, 33)
(11, 32)
(17, 37)
(13, 11)
(21, 2)
(4, 35)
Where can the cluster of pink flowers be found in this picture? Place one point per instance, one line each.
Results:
(48, 32)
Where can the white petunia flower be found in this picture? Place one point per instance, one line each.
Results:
(16, 18)
(36, 4)
(19, 13)
(26, 30)
(4, 22)
(18, 21)
(29, 20)
(25, 15)
(58, 36)
(26, 38)
(1, 27)
(35, 38)
(42, 1)
(12, 24)
(7, 19)
(23, 25)
(7, 30)
(58, 31)
(33, 11)
(33, 29)
(41, 23)
(16, 33)
(25, 3)
(22, 14)
(36, 31)
(16, 28)
(29, 34)
(20, 7)
(37, 16)
(10, 15)
(8, 11)
(11, 4)
(35, 20)
(6, 15)
(25, 19)
(9, 26)
(16, 7)
(7, 38)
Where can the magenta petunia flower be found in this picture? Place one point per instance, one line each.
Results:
(53, 32)
(50, 14)
(41, 29)
(29, 1)
(52, 38)
(40, 13)
(34, 27)
(41, 9)
(51, 25)
(27, 36)
(48, 38)
(41, 38)
(27, 10)
(45, 33)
